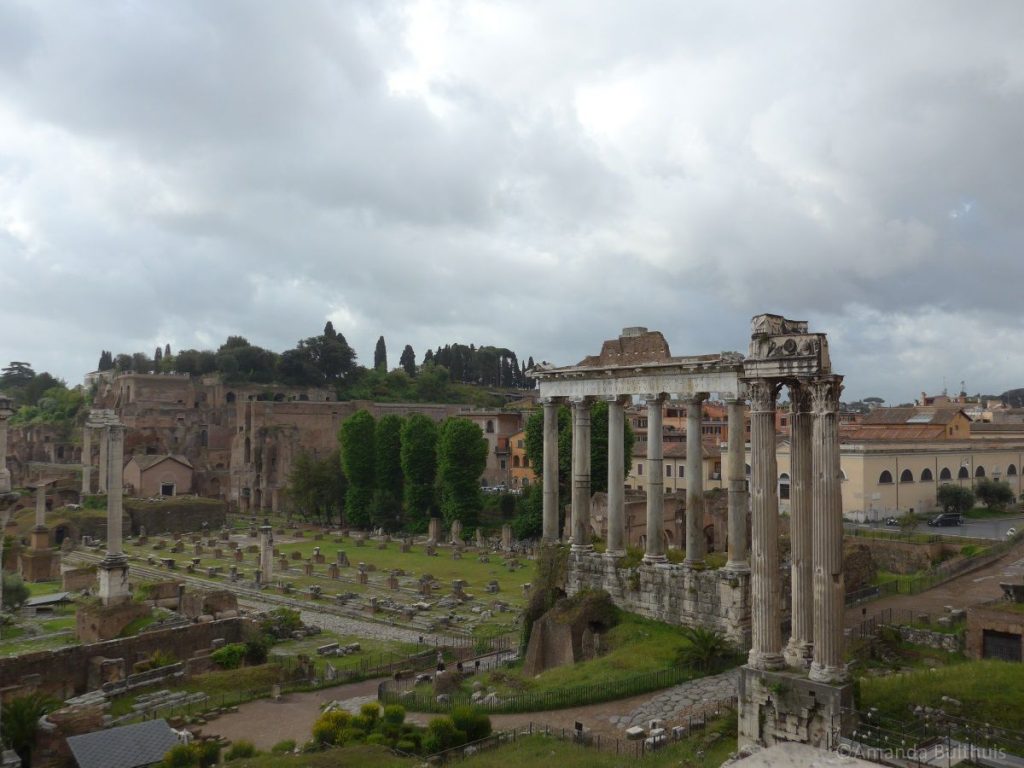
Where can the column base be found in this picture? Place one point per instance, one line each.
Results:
(581, 549)
(739, 566)
(614, 554)
(823, 673)
(769, 662)
(654, 559)
(5, 480)
(798, 654)
(112, 576)
(549, 541)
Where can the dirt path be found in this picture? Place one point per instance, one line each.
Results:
(963, 591)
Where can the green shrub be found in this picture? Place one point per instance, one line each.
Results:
(329, 726)
(407, 746)
(442, 734)
(475, 723)
(207, 752)
(161, 659)
(394, 714)
(280, 623)
(180, 756)
(230, 656)
(256, 652)
(377, 738)
(239, 750)
(203, 754)
(283, 747)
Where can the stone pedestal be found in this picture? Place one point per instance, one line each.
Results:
(112, 575)
(39, 564)
(785, 706)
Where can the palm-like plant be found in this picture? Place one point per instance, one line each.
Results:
(705, 649)
(21, 718)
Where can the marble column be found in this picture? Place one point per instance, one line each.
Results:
(801, 637)
(113, 569)
(827, 532)
(695, 545)
(766, 633)
(5, 474)
(736, 472)
(266, 553)
(550, 514)
(86, 460)
(655, 550)
(616, 479)
(103, 466)
(40, 507)
(581, 476)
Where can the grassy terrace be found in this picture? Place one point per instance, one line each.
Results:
(988, 691)
(415, 563)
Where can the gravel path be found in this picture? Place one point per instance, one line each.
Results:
(668, 704)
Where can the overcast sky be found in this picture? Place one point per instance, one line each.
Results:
(534, 175)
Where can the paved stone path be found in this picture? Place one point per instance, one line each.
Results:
(668, 704)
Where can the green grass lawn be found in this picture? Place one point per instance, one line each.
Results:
(982, 513)
(989, 691)
(371, 653)
(40, 588)
(635, 645)
(363, 756)
(51, 630)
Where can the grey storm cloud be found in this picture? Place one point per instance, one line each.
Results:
(529, 175)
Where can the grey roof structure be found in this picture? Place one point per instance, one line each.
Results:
(129, 746)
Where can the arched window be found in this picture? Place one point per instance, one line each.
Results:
(784, 486)
(963, 474)
(490, 427)
(906, 476)
(926, 475)
(885, 478)
(979, 472)
(515, 462)
(1011, 470)
(945, 474)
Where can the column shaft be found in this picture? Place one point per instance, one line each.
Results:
(103, 468)
(695, 545)
(766, 633)
(581, 476)
(827, 533)
(5, 475)
(115, 473)
(616, 477)
(266, 555)
(655, 550)
(798, 650)
(737, 475)
(550, 476)
(86, 461)
(40, 507)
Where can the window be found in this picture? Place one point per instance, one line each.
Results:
(979, 472)
(515, 462)
(963, 474)
(906, 476)
(520, 443)
(668, 470)
(682, 471)
(490, 427)
(945, 474)
(885, 478)
(784, 486)
(1011, 470)
(503, 464)
(926, 475)
(639, 469)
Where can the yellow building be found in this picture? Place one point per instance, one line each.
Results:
(522, 474)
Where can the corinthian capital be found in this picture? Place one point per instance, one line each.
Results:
(799, 397)
(763, 393)
(825, 394)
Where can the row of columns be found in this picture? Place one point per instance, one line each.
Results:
(816, 530)
(581, 470)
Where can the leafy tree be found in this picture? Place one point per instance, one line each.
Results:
(419, 470)
(358, 460)
(380, 355)
(461, 459)
(16, 374)
(994, 494)
(408, 360)
(20, 719)
(529, 522)
(316, 487)
(388, 472)
(16, 591)
(442, 734)
(953, 498)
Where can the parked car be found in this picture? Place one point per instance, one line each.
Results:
(891, 521)
(945, 519)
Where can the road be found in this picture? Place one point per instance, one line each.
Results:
(991, 528)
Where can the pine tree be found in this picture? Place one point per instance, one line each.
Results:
(380, 355)
(158, 355)
(167, 350)
(408, 360)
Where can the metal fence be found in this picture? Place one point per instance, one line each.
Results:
(903, 617)
(934, 739)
